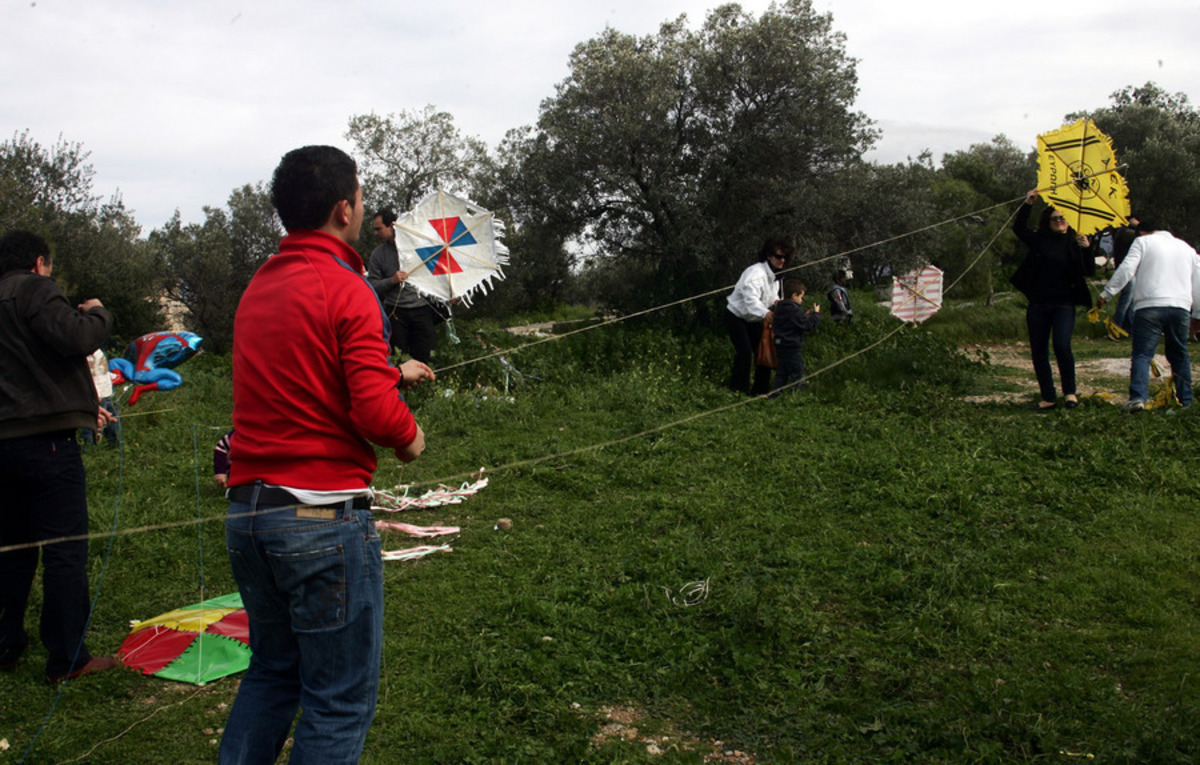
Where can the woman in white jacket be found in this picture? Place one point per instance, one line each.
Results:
(748, 306)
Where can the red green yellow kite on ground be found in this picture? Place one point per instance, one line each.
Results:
(195, 644)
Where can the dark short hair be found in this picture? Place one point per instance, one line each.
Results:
(309, 182)
(771, 245)
(839, 275)
(1148, 225)
(387, 216)
(793, 287)
(19, 251)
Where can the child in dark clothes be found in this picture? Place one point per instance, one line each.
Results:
(221, 460)
(791, 324)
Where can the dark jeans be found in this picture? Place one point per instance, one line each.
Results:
(790, 370)
(1042, 321)
(1149, 324)
(313, 591)
(745, 336)
(45, 497)
(414, 331)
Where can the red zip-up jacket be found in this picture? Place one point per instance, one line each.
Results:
(312, 386)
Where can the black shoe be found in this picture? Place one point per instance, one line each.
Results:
(1071, 403)
(1042, 406)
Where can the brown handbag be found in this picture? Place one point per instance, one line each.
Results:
(766, 349)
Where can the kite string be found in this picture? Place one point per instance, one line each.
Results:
(641, 434)
(199, 516)
(136, 723)
(200, 520)
(719, 290)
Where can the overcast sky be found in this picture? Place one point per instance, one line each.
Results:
(181, 102)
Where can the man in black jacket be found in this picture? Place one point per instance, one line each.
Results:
(46, 394)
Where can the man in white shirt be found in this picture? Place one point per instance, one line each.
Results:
(1165, 291)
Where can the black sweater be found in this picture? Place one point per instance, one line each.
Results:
(1058, 265)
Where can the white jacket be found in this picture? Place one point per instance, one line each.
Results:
(1165, 273)
(754, 294)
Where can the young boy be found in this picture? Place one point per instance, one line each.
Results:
(221, 461)
(839, 299)
(791, 324)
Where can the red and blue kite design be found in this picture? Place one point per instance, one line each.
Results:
(438, 258)
(450, 247)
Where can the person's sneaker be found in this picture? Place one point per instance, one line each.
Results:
(1134, 405)
(97, 664)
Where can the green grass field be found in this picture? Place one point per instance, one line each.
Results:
(872, 570)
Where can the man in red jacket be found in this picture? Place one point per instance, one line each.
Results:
(312, 389)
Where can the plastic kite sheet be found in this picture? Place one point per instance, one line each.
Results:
(450, 247)
(1077, 175)
(442, 495)
(413, 553)
(195, 644)
(917, 295)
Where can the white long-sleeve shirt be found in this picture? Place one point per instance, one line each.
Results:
(754, 294)
(1165, 273)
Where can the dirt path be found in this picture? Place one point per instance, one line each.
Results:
(1105, 376)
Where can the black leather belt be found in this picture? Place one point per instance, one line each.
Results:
(275, 497)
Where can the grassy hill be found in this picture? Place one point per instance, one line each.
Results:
(896, 565)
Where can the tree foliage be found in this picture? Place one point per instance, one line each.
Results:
(96, 249)
(984, 183)
(1157, 135)
(211, 263)
(671, 157)
(402, 157)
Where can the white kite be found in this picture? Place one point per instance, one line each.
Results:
(450, 247)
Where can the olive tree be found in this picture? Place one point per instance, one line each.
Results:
(211, 263)
(1157, 138)
(95, 244)
(667, 159)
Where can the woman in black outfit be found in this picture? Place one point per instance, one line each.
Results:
(1053, 278)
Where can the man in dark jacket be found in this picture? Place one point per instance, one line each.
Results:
(46, 394)
(413, 319)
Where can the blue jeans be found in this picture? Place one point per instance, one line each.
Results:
(45, 497)
(1121, 315)
(313, 590)
(1043, 320)
(1149, 324)
(112, 431)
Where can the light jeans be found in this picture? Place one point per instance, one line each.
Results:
(1149, 324)
(313, 590)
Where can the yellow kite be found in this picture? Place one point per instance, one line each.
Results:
(1077, 175)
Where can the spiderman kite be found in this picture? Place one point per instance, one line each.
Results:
(150, 360)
